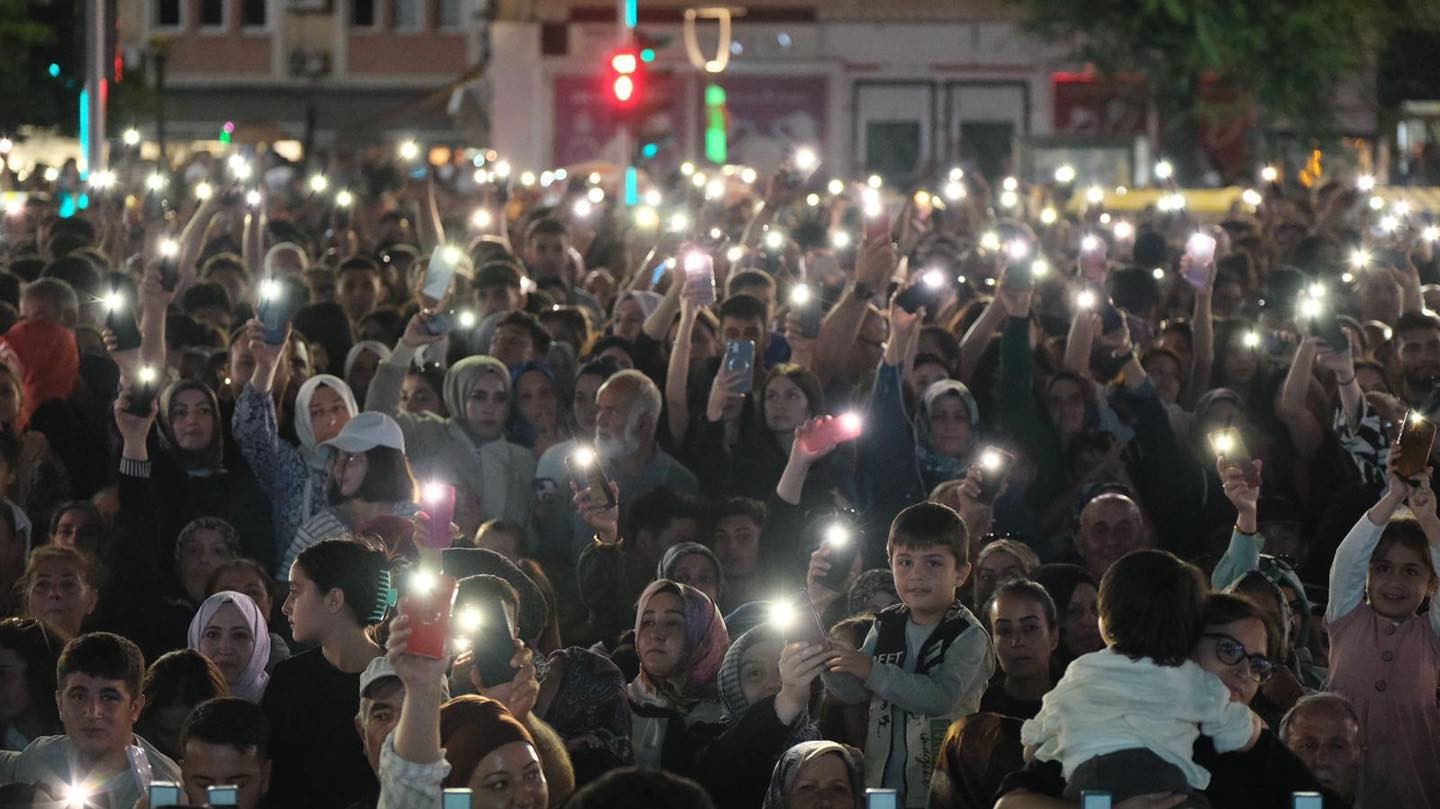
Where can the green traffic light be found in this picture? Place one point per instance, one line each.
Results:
(54, 70)
(647, 55)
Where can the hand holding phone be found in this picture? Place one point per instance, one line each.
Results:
(142, 391)
(277, 309)
(993, 470)
(1230, 449)
(800, 623)
(1414, 445)
(120, 320)
(439, 274)
(840, 544)
(740, 361)
(490, 633)
(700, 277)
(589, 476)
(1093, 250)
(823, 433)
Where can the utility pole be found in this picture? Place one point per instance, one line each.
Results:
(96, 95)
(628, 17)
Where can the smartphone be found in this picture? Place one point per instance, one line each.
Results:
(805, 625)
(120, 320)
(1201, 248)
(143, 391)
(164, 793)
(1093, 251)
(1094, 799)
(1230, 448)
(1019, 277)
(276, 310)
(1307, 800)
(881, 799)
(437, 323)
(588, 473)
(440, 272)
(439, 499)
(169, 266)
(805, 302)
(995, 465)
(1413, 447)
(841, 545)
(740, 360)
(878, 228)
(1326, 326)
(831, 430)
(1110, 317)
(222, 796)
(492, 645)
(428, 604)
(700, 277)
(926, 293)
(455, 798)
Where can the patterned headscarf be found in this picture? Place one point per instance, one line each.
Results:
(680, 550)
(705, 643)
(879, 580)
(732, 693)
(787, 769)
(251, 684)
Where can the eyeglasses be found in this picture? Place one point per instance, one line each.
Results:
(1231, 652)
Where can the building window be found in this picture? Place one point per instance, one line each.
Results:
(362, 13)
(167, 13)
(255, 13)
(452, 13)
(212, 13)
(405, 15)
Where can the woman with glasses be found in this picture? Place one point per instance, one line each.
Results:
(29, 651)
(1235, 644)
(369, 477)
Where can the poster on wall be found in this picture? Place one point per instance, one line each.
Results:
(768, 116)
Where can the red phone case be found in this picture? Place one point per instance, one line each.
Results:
(429, 618)
(440, 505)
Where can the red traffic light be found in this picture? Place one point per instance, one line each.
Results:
(625, 80)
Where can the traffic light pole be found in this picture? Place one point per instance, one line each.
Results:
(627, 15)
(95, 97)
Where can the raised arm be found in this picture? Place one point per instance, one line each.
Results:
(677, 375)
(412, 763)
(1352, 557)
(1306, 431)
(384, 393)
(1081, 342)
(1243, 554)
(977, 338)
(841, 327)
(1202, 339)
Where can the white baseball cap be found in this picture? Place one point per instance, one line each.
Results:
(367, 431)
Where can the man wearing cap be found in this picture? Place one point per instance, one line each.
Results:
(381, 695)
(359, 438)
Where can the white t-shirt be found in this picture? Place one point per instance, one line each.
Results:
(1107, 702)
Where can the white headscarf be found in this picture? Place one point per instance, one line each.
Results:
(314, 454)
(251, 684)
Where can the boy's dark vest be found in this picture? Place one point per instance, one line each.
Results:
(890, 635)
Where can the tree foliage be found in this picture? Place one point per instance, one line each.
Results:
(27, 95)
(1282, 58)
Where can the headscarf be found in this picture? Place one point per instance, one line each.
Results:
(705, 643)
(747, 616)
(732, 693)
(782, 780)
(375, 347)
(879, 580)
(197, 463)
(934, 467)
(47, 360)
(314, 454)
(680, 550)
(251, 684)
(285, 247)
(461, 379)
(471, 728)
(519, 428)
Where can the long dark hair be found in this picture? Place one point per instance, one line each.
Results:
(388, 479)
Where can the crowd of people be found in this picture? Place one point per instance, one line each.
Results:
(348, 484)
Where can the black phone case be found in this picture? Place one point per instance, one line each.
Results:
(917, 295)
(275, 316)
(494, 647)
(806, 627)
(841, 560)
(1327, 327)
(122, 324)
(1019, 278)
(990, 482)
(593, 477)
(810, 317)
(169, 274)
(141, 397)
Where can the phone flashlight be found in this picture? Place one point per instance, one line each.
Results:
(583, 208)
(439, 500)
(1094, 195)
(991, 460)
(203, 191)
(155, 182)
(1065, 175)
(1431, 233)
(837, 535)
(252, 198)
(841, 240)
(596, 195)
(343, 198)
(990, 241)
(1365, 182)
(409, 151)
(806, 159)
(734, 254)
(679, 222)
(76, 796)
(646, 218)
(933, 279)
(774, 240)
(800, 295)
(481, 219)
(781, 613)
(1018, 249)
(319, 183)
(1222, 442)
(1089, 243)
(1310, 308)
(1269, 174)
(1250, 339)
(1039, 268)
(954, 190)
(1164, 170)
(1251, 197)
(466, 319)
(1085, 299)
(1124, 231)
(1359, 258)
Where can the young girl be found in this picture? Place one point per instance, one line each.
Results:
(369, 476)
(338, 589)
(1383, 656)
(1125, 719)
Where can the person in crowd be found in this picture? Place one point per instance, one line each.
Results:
(1023, 623)
(61, 588)
(927, 657)
(1111, 525)
(100, 701)
(1383, 653)
(873, 591)
(999, 561)
(29, 651)
(360, 364)
(232, 633)
(681, 640)
(1265, 776)
(422, 390)
(469, 449)
(1125, 719)
(338, 589)
(1324, 731)
(765, 686)
(40, 479)
(1077, 602)
(369, 477)
(174, 684)
(626, 786)
(693, 564)
(537, 419)
(249, 577)
(735, 541)
(817, 775)
(295, 476)
(226, 742)
(78, 524)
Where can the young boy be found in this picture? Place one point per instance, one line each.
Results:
(927, 658)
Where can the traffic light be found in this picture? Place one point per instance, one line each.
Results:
(625, 79)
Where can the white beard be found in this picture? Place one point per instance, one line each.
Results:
(613, 449)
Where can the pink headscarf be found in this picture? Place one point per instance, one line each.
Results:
(706, 640)
(44, 355)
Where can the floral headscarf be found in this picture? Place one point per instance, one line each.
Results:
(732, 693)
(705, 643)
(251, 684)
(782, 781)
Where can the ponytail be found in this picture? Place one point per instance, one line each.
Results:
(358, 569)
